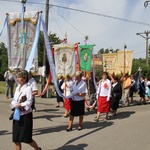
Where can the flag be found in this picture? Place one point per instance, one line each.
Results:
(64, 56)
(85, 53)
(137, 81)
(21, 40)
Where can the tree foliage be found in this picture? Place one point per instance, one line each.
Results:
(3, 58)
(53, 40)
(142, 64)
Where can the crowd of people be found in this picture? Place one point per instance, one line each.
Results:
(104, 95)
(108, 94)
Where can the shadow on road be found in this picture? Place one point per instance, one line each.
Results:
(87, 125)
(48, 117)
(73, 147)
(122, 115)
(5, 132)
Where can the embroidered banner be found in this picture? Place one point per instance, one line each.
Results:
(21, 42)
(64, 56)
(85, 53)
(114, 62)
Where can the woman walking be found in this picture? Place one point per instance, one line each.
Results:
(66, 87)
(22, 129)
(116, 94)
(79, 90)
(142, 90)
(104, 93)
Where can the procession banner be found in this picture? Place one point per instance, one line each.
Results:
(114, 62)
(64, 56)
(110, 62)
(21, 42)
(128, 61)
(85, 53)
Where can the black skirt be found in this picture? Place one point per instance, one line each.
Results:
(114, 103)
(59, 99)
(77, 108)
(22, 129)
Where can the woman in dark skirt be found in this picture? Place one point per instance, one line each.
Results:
(116, 94)
(142, 90)
(79, 90)
(22, 129)
(59, 98)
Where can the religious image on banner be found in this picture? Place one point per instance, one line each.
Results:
(110, 62)
(85, 54)
(64, 56)
(128, 61)
(114, 62)
(21, 41)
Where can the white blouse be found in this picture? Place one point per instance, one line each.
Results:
(33, 84)
(80, 88)
(67, 87)
(24, 91)
(104, 88)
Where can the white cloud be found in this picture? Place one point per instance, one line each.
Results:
(104, 32)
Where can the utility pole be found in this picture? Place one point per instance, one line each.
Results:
(146, 33)
(125, 47)
(44, 52)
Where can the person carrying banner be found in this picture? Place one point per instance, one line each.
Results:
(59, 98)
(9, 84)
(67, 86)
(103, 95)
(22, 129)
(92, 89)
(142, 89)
(79, 90)
(32, 83)
(132, 89)
(126, 88)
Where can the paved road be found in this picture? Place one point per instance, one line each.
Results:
(130, 130)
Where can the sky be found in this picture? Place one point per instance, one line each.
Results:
(102, 31)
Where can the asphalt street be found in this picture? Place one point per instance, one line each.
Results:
(129, 130)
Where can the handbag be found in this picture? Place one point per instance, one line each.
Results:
(17, 114)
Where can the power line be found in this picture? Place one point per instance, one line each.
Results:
(74, 27)
(103, 15)
(57, 24)
(88, 12)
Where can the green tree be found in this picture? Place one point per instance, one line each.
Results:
(53, 40)
(106, 51)
(3, 58)
(141, 63)
(102, 51)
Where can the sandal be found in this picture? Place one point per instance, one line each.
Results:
(96, 120)
(79, 128)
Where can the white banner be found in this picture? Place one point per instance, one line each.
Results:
(64, 56)
(21, 41)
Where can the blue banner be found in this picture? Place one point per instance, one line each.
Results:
(35, 44)
(51, 61)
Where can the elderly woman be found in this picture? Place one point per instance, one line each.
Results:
(79, 90)
(22, 129)
(104, 94)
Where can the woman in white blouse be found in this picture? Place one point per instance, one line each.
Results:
(22, 129)
(67, 87)
(79, 90)
(104, 94)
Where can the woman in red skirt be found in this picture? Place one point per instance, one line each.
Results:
(104, 94)
(67, 86)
